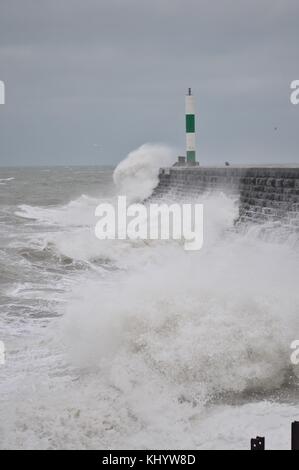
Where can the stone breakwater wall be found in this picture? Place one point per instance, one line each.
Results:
(266, 194)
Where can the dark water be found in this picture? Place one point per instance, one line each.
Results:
(51, 186)
(23, 259)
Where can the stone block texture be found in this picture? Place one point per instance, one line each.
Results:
(265, 194)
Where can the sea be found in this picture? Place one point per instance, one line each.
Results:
(139, 344)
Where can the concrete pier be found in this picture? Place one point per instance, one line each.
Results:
(266, 193)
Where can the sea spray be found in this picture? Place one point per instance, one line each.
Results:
(153, 344)
(137, 175)
(211, 322)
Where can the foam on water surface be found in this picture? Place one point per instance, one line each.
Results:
(153, 347)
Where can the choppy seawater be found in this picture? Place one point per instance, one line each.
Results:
(138, 345)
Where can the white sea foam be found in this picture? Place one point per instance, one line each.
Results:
(7, 179)
(3, 181)
(184, 328)
(216, 321)
(145, 350)
(78, 212)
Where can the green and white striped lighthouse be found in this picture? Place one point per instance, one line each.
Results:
(190, 128)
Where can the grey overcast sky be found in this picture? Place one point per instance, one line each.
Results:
(89, 80)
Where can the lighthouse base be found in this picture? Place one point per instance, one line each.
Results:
(182, 161)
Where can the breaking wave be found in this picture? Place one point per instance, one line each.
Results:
(137, 175)
(155, 342)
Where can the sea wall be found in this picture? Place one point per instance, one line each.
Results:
(266, 194)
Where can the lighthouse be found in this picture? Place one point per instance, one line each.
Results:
(190, 129)
(190, 158)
